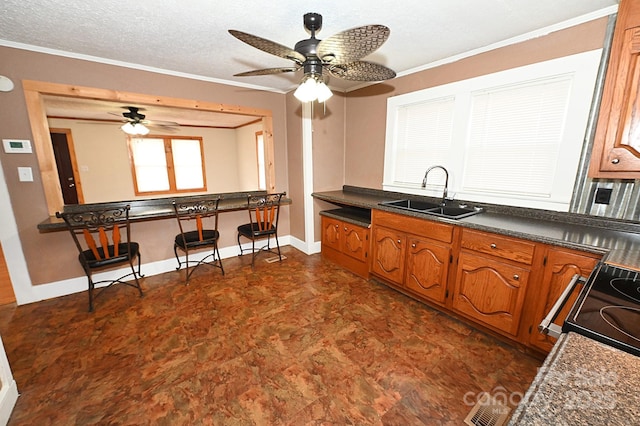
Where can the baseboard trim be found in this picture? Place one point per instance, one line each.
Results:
(8, 399)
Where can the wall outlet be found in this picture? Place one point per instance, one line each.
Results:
(603, 196)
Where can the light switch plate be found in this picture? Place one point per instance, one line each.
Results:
(25, 174)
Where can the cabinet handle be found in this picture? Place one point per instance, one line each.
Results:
(493, 246)
(615, 161)
(399, 242)
(516, 277)
(345, 228)
(413, 245)
(337, 226)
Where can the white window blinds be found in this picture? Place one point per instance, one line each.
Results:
(514, 138)
(425, 131)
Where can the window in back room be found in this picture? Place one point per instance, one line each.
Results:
(167, 164)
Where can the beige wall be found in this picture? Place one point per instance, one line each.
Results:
(328, 152)
(49, 256)
(294, 154)
(366, 108)
(247, 156)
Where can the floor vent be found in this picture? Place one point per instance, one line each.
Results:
(275, 259)
(488, 412)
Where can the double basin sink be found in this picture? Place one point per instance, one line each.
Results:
(434, 209)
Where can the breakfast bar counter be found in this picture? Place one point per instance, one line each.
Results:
(160, 208)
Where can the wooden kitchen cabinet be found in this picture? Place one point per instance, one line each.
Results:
(502, 283)
(346, 244)
(413, 254)
(491, 279)
(560, 265)
(389, 248)
(616, 149)
(427, 270)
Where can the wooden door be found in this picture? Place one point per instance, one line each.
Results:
(561, 266)
(63, 152)
(354, 241)
(388, 254)
(6, 289)
(331, 232)
(427, 269)
(617, 149)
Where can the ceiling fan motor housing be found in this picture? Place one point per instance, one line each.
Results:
(312, 22)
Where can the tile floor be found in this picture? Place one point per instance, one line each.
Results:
(291, 343)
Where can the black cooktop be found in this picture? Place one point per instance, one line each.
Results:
(608, 308)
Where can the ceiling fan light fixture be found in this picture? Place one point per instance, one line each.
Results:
(312, 88)
(135, 129)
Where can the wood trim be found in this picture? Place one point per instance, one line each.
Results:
(44, 151)
(269, 154)
(256, 137)
(35, 90)
(6, 288)
(171, 170)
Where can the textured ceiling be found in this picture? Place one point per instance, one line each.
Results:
(190, 36)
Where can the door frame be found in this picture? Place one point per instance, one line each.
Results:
(21, 283)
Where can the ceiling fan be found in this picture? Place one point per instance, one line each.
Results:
(338, 56)
(135, 123)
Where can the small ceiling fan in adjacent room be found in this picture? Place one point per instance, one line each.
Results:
(339, 56)
(136, 124)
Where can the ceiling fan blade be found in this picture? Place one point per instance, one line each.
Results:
(267, 71)
(361, 71)
(160, 123)
(268, 46)
(352, 45)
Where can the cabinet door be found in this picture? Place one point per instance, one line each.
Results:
(355, 241)
(331, 232)
(490, 291)
(388, 254)
(561, 266)
(616, 151)
(427, 269)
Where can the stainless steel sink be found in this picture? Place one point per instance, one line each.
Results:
(413, 205)
(451, 212)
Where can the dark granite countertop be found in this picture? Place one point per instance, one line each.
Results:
(618, 240)
(582, 382)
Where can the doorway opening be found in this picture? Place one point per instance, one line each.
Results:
(68, 175)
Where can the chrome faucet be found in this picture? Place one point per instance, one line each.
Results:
(446, 181)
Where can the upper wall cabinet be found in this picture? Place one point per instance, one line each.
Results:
(616, 149)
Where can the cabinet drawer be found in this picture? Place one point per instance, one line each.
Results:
(498, 245)
(413, 225)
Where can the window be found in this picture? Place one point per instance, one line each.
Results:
(513, 137)
(166, 165)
